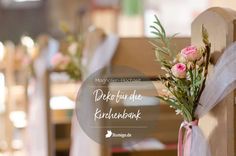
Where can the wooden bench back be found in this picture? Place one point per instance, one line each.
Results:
(138, 53)
(218, 124)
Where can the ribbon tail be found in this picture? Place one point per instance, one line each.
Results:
(180, 141)
(187, 144)
(184, 149)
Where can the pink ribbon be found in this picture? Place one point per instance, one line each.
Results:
(188, 137)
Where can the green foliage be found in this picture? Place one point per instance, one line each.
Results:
(74, 66)
(183, 93)
(162, 43)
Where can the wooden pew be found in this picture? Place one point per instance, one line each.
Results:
(137, 53)
(219, 124)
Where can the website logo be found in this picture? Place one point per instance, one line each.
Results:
(109, 134)
(117, 135)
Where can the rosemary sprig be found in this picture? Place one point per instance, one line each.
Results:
(205, 40)
(184, 92)
(162, 43)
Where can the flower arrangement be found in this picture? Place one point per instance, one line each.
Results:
(185, 72)
(68, 59)
(26, 53)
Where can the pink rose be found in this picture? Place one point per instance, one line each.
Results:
(191, 53)
(60, 60)
(56, 59)
(179, 70)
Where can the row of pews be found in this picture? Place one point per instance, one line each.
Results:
(218, 126)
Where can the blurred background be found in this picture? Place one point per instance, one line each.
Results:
(34, 17)
(21, 24)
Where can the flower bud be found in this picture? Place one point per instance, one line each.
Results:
(179, 70)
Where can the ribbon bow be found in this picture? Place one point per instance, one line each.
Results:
(188, 138)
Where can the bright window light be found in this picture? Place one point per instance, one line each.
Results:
(15, 4)
(2, 51)
(17, 144)
(18, 118)
(26, 0)
(2, 93)
(61, 103)
(27, 41)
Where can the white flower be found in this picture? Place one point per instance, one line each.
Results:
(73, 48)
(167, 75)
(164, 90)
(177, 111)
(163, 68)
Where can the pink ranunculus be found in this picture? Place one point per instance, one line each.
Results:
(56, 59)
(179, 70)
(191, 53)
(60, 60)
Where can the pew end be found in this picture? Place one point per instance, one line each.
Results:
(218, 125)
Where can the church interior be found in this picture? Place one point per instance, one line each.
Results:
(38, 114)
